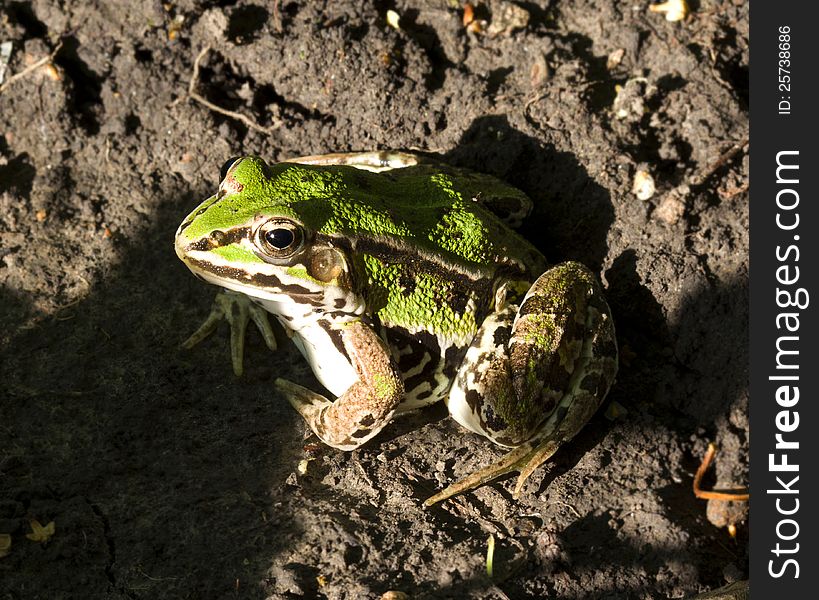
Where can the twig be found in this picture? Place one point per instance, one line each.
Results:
(193, 95)
(277, 16)
(733, 496)
(32, 67)
(730, 193)
(723, 158)
(569, 506)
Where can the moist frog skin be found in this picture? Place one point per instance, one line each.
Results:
(403, 283)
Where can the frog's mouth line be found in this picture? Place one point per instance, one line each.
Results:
(264, 285)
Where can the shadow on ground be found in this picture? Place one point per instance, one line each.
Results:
(167, 477)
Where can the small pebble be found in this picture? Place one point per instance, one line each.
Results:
(615, 58)
(674, 10)
(672, 206)
(506, 18)
(643, 186)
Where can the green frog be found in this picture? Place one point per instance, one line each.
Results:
(403, 283)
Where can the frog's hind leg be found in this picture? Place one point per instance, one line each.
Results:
(534, 386)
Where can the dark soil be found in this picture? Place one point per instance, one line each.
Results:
(167, 477)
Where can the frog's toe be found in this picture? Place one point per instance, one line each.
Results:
(528, 464)
(259, 317)
(313, 408)
(308, 403)
(524, 459)
(238, 328)
(512, 461)
(206, 328)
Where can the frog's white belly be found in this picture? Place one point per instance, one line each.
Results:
(328, 362)
(330, 367)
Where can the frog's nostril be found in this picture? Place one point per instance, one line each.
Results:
(218, 237)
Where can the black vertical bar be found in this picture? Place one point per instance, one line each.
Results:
(784, 258)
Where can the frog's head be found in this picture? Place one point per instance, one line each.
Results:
(259, 236)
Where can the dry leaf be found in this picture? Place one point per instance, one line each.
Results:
(39, 533)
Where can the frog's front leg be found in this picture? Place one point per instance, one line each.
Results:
(237, 309)
(367, 405)
(531, 380)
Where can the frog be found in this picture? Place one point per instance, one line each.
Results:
(403, 282)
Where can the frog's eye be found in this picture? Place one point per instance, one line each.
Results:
(226, 167)
(279, 238)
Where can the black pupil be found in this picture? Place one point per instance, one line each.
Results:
(279, 238)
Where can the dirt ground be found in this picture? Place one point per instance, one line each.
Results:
(167, 477)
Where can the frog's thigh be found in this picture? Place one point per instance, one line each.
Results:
(366, 406)
(561, 353)
(482, 374)
(566, 306)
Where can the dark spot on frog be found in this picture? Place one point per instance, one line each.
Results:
(493, 421)
(556, 375)
(424, 395)
(367, 421)
(502, 335)
(548, 402)
(457, 300)
(429, 341)
(406, 283)
(427, 375)
(361, 433)
(407, 362)
(340, 303)
(536, 305)
(336, 337)
(473, 400)
(452, 360)
(605, 348)
(590, 382)
(400, 339)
